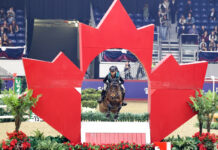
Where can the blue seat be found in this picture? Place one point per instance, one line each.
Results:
(138, 15)
(138, 25)
(97, 19)
(204, 22)
(204, 4)
(19, 19)
(196, 15)
(20, 42)
(196, 9)
(204, 15)
(20, 16)
(20, 36)
(211, 27)
(13, 42)
(11, 35)
(19, 11)
(196, 4)
(20, 23)
(138, 21)
(197, 22)
(181, 4)
(21, 29)
(181, 9)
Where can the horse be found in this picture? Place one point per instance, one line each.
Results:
(113, 100)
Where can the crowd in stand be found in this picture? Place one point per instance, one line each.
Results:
(8, 26)
(208, 38)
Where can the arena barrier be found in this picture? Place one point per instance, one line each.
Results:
(138, 89)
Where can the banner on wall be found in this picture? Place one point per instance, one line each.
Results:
(17, 85)
(137, 89)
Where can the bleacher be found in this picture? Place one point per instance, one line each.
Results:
(187, 52)
(137, 18)
(201, 10)
(17, 40)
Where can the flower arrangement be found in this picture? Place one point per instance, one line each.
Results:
(207, 140)
(120, 146)
(16, 140)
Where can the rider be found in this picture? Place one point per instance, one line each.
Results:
(114, 74)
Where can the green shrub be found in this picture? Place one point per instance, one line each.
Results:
(50, 145)
(91, 91)
(128, 117)
(90, 94)
(90, 104)
(19, 106)
(187, 143)
(90, 97)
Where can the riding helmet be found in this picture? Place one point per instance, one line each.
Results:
(112, 69)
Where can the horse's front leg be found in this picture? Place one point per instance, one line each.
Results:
(109, 106)
(118, 111)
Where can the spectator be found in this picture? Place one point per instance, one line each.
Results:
(188, 8)
(5, 40)
(0, 42)
(216, 47)
(162, 10)
(173, 10)
(163, 27)
(203, 43)
(5, 28)
(14, 27)
(182, 20)
(193, 30)
(2, 15)
(212, 45)
(10, 15)
(146, 11)
(166, 5)
(140, 71)
(182, 30)
(190, 20)
(205, 37)
(127, 71)
(202, 30)
(212, 15)
(213, 36)
(216, 30)
(203, 47)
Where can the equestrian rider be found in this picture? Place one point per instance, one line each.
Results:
(114, 74)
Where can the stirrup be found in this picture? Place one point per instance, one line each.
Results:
(100, 101)
(124, 103)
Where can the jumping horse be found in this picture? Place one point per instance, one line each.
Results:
(113, 100)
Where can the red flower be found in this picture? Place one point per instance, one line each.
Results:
(13, 142)
(25, 145)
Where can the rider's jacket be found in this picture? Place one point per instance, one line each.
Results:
(109, 78)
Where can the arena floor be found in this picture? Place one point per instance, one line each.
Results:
(187, 129)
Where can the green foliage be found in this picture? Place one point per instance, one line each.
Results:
(97, 116)
(50, 145)
(39, 141)
(205, 105)
(186, 143)
(90, 94)
(89, 97)
(19, 106)
(39, 135)
(90, 104)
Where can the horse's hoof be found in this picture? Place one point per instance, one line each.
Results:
(116, 117)
(108, 115)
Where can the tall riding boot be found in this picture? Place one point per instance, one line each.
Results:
(124, 103)
(102, 96)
